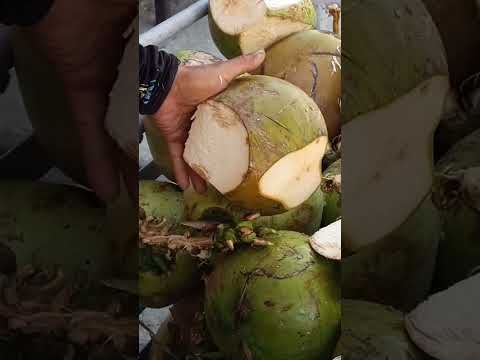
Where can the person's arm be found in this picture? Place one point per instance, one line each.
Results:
(23, 12)
(157, 73)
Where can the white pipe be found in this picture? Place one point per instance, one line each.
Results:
(175, 24)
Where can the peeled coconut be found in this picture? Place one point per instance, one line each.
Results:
(245, 26)
(311, 60)
(446, 325)
(212, 205)
(397, 139)
(457, 196)
(260, 143)
(53, 224)
(398, 269)
(374, 332)
(332, 188)
(279, 302)
(156, 143)
(157, 286)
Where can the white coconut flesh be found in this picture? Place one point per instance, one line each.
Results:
(383, 187)
(446, 326)
(235, 16)
(217, 147)
(268, 32)
(294, 178)
(328, 241)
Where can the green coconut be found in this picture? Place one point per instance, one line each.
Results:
(51, 224)
(156, 143)
(332, 188)
(398, 269)
(374, 332)
(311, 60)
(389, 92)
(213, 206)
(161, 281)
(278, 302)
(242, 27)
(408, 50)
(457, 196)
(260, 143)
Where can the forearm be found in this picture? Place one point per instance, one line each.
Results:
(23, 12)
(157, 74)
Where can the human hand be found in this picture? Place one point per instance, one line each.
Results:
(85, 43)
(192, 86)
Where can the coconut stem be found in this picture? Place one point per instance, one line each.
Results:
(335, 11)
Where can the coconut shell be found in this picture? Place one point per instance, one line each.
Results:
(406, 50)
(311, 60)
(213, 206)
(332, 188)
(398, 269)
(456, 194)
(159, 289)
(374, 332)
(230, 45)
(275, 303)
(55, 225)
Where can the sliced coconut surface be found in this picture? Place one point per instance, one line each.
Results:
(293, 178)
(235, 16)
(217, 147)
(328, 241)
(388, 154)
(446, 326)
(267, 32)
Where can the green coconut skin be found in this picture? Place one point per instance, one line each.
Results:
(374, 332)
(156, 143)
(331, 187)
(407, 51)
(156, 288)
(459, 249)
(398, 269)
(213, 206)
(229, 45)
(51, 224)
(276, 126)
(275, 303)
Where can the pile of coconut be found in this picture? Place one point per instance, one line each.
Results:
(267, 236)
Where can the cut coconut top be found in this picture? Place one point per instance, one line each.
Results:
(267, 32)
(281, 4)
(446, 326)
(293, 178)
(328, 241)
(235, 16)
(217, 147)
(389, 156)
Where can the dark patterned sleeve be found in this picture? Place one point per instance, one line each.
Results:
(157, 73)
(23, 12)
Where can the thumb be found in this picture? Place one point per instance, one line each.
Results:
(231, 69)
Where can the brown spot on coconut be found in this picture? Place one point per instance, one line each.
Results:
(311, 60)
(277, 132)
(241, 27)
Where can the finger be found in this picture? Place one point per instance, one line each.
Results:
(231, 69)
(97, 146)
(180, 168)
(198, 183)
